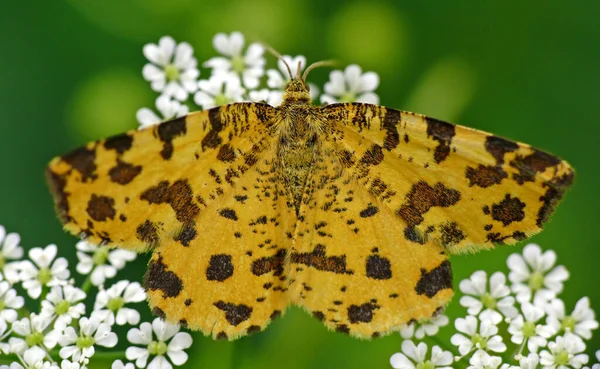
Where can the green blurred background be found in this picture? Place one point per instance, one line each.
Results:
(70, 71)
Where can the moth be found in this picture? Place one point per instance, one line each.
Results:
(348, 210)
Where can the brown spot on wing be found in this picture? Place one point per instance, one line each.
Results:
(83, 161)
(451, 234)
(167, 132)
(212, 139)
(528, 166)
(485, 176)
(508, 210)
(147, 232)
(361, 313)
(373, 156)
(319, 260)
(228, 213)
(219, 268)
(390, 121)
(123, 172)
(234, 314)
(498, 147)
(378, 267)
(120, 143)
(555, 192)
(443, 133)
(268, 264)
(178, 195)
(159, 278)
(57, 185)
(423, 197)
(435, 280)
(101, 208)
(226, 153)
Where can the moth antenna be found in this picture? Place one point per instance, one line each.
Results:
(278, 56)
(322, 63)
(298, 76)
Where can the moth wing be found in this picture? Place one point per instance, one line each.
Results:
(230, 280)
(141, 188)
(351, 265)
(461, 187)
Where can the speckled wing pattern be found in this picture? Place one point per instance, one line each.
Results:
(132, 191)
(464, 188)
(352, 267)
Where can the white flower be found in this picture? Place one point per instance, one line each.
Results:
(351, 85)
(219, 90)
(32, 333)
(484, 339)
(64, 303)
(9, 302)
(45, 272)
(532, 274)
(168, 109)
(530, 361)
(250, 67)
(497, 299)
(277, 79)
(413, 357)
(524, 328)
(271, 97)
(159, 347)
(4, 347)
(110, 303)
(565, 352)
(96, 263)
(581, 322)
(118, 364)
(92, 331)
(425, 327)
(10, 250)
(66, 364)
(173, 70)
(33, 359)
(482, 360)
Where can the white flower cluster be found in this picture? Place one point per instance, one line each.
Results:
(60, 334)
(528, 310)
(237, 75)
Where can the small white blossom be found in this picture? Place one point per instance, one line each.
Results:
(581, 322)
(482, 360)
(9, 302)
(413, 357)
(532, 274)
(219, 90)
(34, 358)
(64, 303)
(92, 331)
(110, 303)
(4, 347)
(164, 331)
(67, 364)
(494, 302)
(10, 250)
(168, 109)
(525, 327)
(118, 364)
(96, 262)
(277, 79)
(485, 338)
(351, 85)
(173, 69)
(249, 67)
(565, 352)
(530, 361)
(271, 97)
(425, 327)
(45, 272)
(32, 332)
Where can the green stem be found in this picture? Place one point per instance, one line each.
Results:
(87, 284)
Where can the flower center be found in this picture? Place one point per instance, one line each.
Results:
(348, 97)
(45, 276)
(528, 329)
(536, 281)
(115, 303)
(157, 348)
(62, 307)
(84, 342)
(2, 305)
(100, 256)
(426, 365)
(477, 339)
(568, 323)
(172, 72)
(221, 99)
(488, 301)
(34, 339)
(237, 64)
(561, 358)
